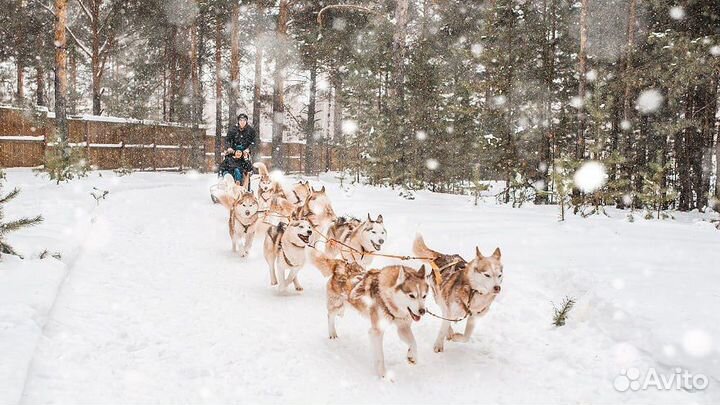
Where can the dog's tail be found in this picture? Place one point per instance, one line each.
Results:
(325, 264)
(421, 249)
(262, 169)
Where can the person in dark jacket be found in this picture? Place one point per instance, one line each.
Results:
(241, 138)
(237, 164)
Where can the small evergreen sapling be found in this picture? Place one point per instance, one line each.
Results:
(64, 163)
(655, 195)
(12, 226)
(561, 314)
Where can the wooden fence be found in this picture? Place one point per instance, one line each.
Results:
(110, 143)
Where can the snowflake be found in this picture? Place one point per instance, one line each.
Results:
(677, 13)
(649, 101)
(432, 164)
(590, 176)
(349, 127)
(421, 135)
(697, 343)
(715, 50)
(577, 102)
(476, 49)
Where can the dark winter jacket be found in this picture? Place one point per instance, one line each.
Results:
(231, 163)
(241, 139)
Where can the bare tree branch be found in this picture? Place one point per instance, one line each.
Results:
(82, 47)
(86, 10)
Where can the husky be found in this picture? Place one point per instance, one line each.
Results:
(284, 249)
(363, 237)
(267, 188)
(462, 289)
(393, 295)
(317, 209)
(243, 220)
(300, 192)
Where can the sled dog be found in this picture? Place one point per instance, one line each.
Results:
(363, 237)
(393, 295)
(317, 209)
(300, 192)
(462, 289)
(243, 220)
(284, 250)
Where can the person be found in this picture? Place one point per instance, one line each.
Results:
(236, 164)
(241, 137)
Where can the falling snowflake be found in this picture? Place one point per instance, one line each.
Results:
(649, 101)
(577, 102)
(432, 164)
(677, 13)
(476, 49)
(349, 127)
(591, 75)
(697, 343)
(421, 135)
(277, 175)
(590, 177)
(500, 100)
(715, 50)
(625, 125)
(339, 24)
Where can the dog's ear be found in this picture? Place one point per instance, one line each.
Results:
(401, 277)
(322, 190)
(379, 219)
(421, 272)
(496, 254)
(477, 252)
(369, 219)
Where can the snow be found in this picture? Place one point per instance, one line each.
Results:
(590, 176)
(649, 101)
(677, 13)
(154, 308)
(22, 138)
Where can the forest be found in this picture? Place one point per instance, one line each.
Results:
(426, 94)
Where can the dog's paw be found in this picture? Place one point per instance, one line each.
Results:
(411, 358)
(458, 337)
(333, 336)
(438, 348)
(243, 253)
(299, 289)
(273, 283)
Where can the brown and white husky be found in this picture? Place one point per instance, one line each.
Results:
(284, 250)
(462, 289)
(362, 238)
(243, 220)
(394, 295)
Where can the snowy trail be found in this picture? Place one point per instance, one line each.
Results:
(156, 309)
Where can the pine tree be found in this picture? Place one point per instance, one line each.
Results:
(12, 226)
(655, 196)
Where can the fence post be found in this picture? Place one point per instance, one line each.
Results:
(122, 152)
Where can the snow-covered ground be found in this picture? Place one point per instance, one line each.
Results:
(152, 307)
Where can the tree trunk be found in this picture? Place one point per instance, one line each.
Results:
(582, 81)
(279, 87)
(338, 136)
(173, 68)
(310, 131)
(60, 71)
(95, 59)
(708, 134)
(234, 63)
(73, 82)
(40, 98)
(20, 82)
(218, 87)
(257, 93)
(399, 51)
(628, 144)
(196, 105)
(549, 75)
